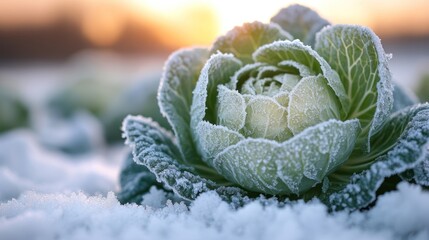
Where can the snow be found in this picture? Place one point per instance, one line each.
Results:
(26, 165)
(397, 215)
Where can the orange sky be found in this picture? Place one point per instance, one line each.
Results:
(187, 22)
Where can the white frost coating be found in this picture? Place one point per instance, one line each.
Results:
(321, 149)
(421, 172)
(279, 47)
(403, 214)
(293, 166)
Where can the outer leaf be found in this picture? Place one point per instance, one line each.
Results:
(278, 52)
(356, 53)
(401, 144)
(135, 181)
(293, 166)
(175, 96)
(302, 22)
(243, 41)
(153, 147)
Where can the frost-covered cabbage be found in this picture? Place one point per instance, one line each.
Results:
(292, 108)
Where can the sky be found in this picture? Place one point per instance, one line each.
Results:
(201, 21)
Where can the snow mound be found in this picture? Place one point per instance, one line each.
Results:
(398, 215)
(25, 165)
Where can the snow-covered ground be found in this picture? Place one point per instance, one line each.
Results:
(26, 165)
(398, 215)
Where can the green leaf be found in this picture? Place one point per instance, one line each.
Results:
(243, 41)
(311, 102)
(154, 148)
(293, 166)
(278, 52)
(401, 144)
(356, 53)
(302, 22)
(175, 96)
(135, 181)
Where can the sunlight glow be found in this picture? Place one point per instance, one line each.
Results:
(180, 22)
(102, 27)
(199, 22)
(229, 14)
